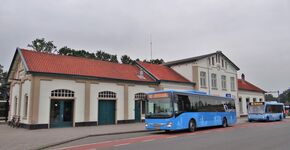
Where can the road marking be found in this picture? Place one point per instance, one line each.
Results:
(148, 140)
(171, 137)
(121, 144)
(76, 146)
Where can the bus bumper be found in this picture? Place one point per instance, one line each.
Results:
(257, 117)
(156, 124)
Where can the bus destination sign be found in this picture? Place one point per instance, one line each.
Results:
(158, 95)
(257, 103)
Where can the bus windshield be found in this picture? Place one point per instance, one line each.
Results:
(256, 109)
(159, 108)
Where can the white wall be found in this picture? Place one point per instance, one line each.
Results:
(175, 86)
(118, 89)
(250, 95)
(185, 70)
(26, 87)
(15, 93)
(44, 98)
(132, 91)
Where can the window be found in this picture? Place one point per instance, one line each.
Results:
(107, 95)
(226, 65)
(223, 63)
(254, 100)
(25, 106)
(233, 84)
(62, 93)
(213, 81)
(261, 100)
(202, 79)
(224, 82)
(209, 61)
(15, 105)
(212, 61)
(141, 96)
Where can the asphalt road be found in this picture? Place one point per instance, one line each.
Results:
(247, 136)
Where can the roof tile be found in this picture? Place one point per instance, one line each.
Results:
(70, 65)
(245, 85)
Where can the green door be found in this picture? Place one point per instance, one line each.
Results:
(137, 111)
(106, 113)
(61, 113)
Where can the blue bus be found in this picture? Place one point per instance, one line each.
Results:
(265, 111)
(171, 110)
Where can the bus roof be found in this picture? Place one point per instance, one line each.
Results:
(274, 103)
(195, 92)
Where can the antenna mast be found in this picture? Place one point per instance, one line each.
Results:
(151, 46)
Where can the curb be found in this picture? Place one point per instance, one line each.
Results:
(104, 134)
(87, 136)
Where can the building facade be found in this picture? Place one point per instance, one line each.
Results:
(50, 90)
(248, 92)
(213, 73)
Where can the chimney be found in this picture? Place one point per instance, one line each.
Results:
(243, 77)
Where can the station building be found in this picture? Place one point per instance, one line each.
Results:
(248, 92)
(49, 90)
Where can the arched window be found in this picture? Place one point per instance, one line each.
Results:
(62, 93)
(107, 95)
(140, 96)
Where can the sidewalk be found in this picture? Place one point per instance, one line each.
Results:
(18, 138)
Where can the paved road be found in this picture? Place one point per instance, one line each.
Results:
(250, 136)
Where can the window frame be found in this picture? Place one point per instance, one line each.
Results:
(202, 79)
(214, 81)
(224, 82)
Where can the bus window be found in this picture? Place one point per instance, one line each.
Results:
(194, 103)
(274, 109)
(183, 103)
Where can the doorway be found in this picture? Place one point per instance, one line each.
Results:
(107, 112)
(61, 113)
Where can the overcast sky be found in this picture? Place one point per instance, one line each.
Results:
(254, 34)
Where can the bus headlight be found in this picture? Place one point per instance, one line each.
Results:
(169, 124)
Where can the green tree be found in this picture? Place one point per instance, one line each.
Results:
(3, 82)
(270, 97)
(114, 59)
(125, 59)
(100, 55)
(285, 96)
(154, 61)
(41, 45)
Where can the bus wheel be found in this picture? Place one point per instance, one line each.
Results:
(281, 118)
(191, 126)
(225, 123)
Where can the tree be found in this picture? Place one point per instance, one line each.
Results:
(154, 61)
(114, 59)
(270, 97)
(285, 96)
(41, 45)
(125, 59)
(100, 55)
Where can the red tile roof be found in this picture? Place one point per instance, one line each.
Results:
(247, 86)
(69, 65)
(163, 72)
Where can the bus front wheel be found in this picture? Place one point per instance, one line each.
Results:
(191, 126)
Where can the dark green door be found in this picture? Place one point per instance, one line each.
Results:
(138, 111)
(61, 113)
(106, 113)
